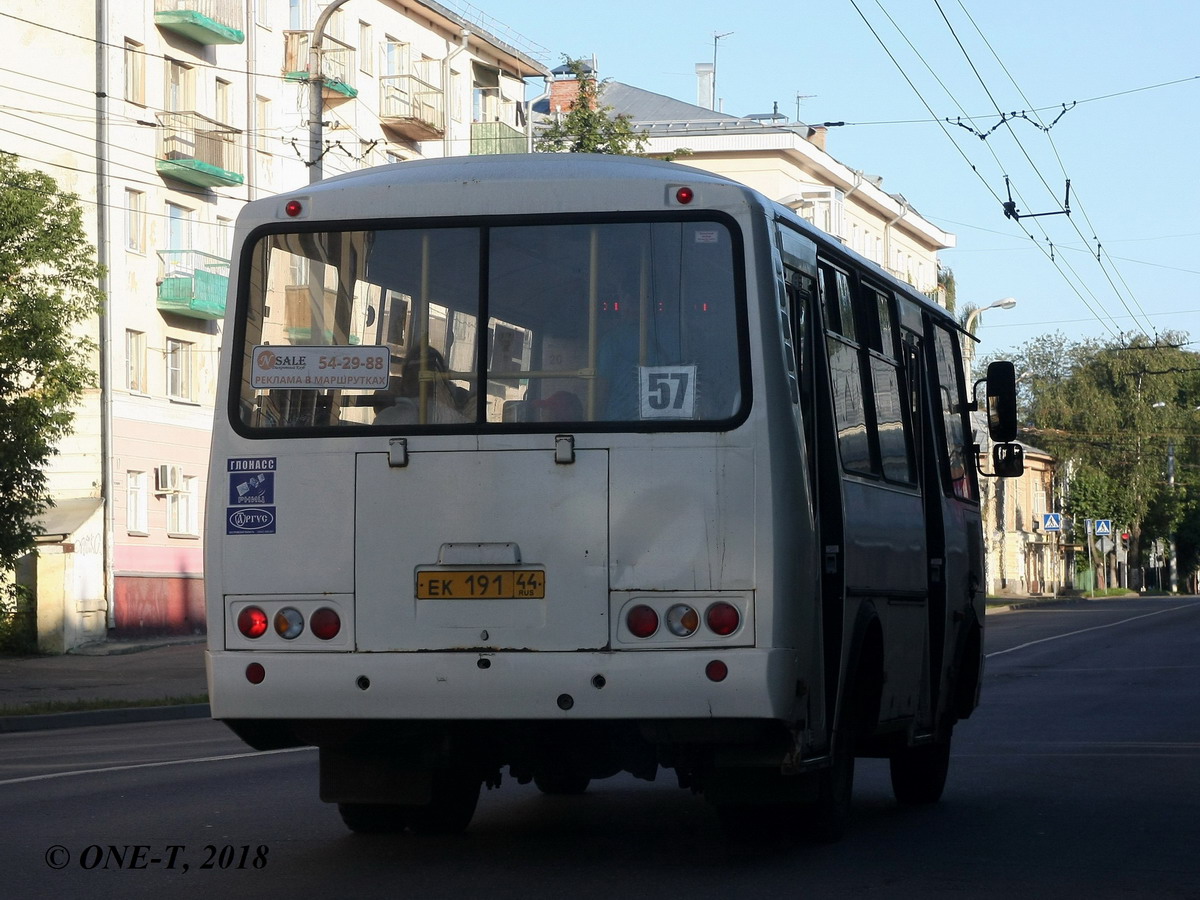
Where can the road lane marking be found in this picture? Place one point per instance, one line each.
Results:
(151, 765)
(1086, 630)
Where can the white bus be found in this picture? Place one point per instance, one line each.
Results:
(572, 465)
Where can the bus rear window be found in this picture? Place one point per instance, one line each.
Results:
(507, 327)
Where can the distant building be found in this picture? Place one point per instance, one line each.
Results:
(788, 162)
(1022, 558)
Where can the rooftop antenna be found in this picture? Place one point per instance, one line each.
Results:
(800, 97)
(716, 37)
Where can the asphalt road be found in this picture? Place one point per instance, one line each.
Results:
(1077, 777)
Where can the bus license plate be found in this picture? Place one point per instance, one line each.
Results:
(481, 584)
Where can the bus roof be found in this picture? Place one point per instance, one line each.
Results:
(525, 167)
(556, 183)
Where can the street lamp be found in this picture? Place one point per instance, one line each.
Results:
(1006, 303)
(968, 343)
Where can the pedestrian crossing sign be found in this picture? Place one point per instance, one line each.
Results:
(1103, 528)
(1051, 521)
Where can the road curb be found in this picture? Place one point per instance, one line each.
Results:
(120, 716)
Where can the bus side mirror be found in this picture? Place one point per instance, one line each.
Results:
(1002, 401)
(1008, 460)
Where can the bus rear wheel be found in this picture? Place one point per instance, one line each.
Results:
(919, 773)
(449, 811)
(455, 795)
(374, 818)
(561, 784)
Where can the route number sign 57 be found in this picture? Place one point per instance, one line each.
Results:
(667, 392)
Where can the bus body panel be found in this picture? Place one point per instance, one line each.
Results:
(311, 511)
(882, 542)
(479, 514)
(686, 524)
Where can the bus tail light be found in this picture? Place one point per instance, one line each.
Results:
(682, 620)
(642, 621)
(325, 623)
(256, 673)
(723, 618)
(289, 624)
(252, 622)
(716, 670)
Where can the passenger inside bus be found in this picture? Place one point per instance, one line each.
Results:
(401, 401)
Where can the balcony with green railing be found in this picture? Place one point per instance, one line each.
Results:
(496, 137)
(494, 126)
(194, 284)
(203, 21)
(198, 150)
(337, 64)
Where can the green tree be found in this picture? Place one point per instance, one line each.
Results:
(946, 288)
(48, 287)
(1114, 411)
(587, 126)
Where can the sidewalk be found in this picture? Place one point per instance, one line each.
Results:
(119, 673)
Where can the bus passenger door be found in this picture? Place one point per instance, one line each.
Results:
(954, 530)
(925, 449)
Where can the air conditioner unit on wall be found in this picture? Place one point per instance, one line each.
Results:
(167, 479)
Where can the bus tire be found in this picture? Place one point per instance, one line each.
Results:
(374, 818)
(919, 773)
(455, 795)
(562, 784)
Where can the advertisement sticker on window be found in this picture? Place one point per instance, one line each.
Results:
(305, 367)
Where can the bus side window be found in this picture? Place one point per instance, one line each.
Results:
(949, 392)
(892, 416)
(851, 403)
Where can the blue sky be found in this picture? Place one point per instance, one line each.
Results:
(1130, 144)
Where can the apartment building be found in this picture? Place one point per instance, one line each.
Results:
(788, 162)
(166, 117)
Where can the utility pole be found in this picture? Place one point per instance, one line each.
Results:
(316, 98)
(1172, 568)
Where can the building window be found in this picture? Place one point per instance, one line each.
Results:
(396, 56)
(179, 369)
(298, 15)
(179, 227)
(135, 362)
(136, 502)
(224, 101)
(135, 221)
(182, 515)
(135, 72)
(224, 237)
(262, 122)
(181, 93)
(335, 27)
(366, 59)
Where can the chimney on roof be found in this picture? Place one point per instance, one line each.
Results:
(705, 73)
(564, 89)
(816, 136)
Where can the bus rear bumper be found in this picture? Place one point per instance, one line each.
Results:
(579, 685)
